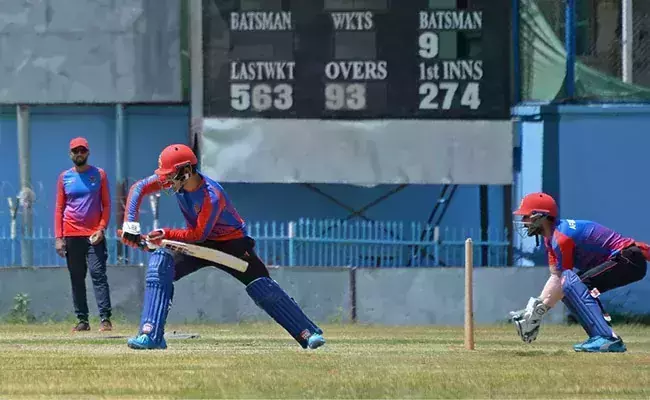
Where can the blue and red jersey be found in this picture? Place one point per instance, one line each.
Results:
(208, 212)
(582, 245)
(83, 202)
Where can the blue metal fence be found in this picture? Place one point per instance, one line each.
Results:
(317, 243)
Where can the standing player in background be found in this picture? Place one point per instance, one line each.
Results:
(83, 208)
(586, 259)
(213, 222)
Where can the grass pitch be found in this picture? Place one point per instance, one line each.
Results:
(261, 361)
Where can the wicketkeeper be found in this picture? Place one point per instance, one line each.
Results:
(212, 221)
(585, 259)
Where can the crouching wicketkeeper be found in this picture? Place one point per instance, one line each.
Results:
(586, 259)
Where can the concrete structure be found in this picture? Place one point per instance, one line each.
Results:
(392, 296)
(148, 129)
(90, 51)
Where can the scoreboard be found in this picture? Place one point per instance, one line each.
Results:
(357, 59)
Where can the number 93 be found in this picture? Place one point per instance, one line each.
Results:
(350, 96)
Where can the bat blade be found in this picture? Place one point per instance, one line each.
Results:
(197, 251)
(206, 253)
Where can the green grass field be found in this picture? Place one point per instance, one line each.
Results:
(261, 361)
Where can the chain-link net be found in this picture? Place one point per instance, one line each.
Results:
(599, 44)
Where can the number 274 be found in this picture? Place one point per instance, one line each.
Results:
(429, 92)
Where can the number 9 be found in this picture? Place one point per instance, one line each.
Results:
(334, 96)
(429, 45)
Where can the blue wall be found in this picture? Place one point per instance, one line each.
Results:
(593, 159)
(150, 128)
(9, 183)
(604, 165)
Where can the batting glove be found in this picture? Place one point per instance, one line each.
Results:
(131, 234)
(155, 237)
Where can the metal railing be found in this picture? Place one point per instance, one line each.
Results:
(308, 242)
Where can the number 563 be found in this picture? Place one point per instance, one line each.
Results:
(261, 96)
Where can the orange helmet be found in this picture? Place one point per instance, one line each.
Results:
(537, 203)
(173, 158)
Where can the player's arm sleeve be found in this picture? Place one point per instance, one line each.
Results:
(565, 250)
(106, 201)
(207, 218)
(58, 208)
(137, 192)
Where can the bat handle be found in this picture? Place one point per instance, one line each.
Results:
(143, 245)
(146, 246)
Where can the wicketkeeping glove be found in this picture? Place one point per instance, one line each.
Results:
(528, 323)
(515, 315)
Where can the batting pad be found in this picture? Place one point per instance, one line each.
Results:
(585, 307)
(270, 297)
(159, 289)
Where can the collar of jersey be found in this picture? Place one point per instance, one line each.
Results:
(197, 188)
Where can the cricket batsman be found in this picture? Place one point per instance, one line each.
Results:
(585, 259)
(213, 222)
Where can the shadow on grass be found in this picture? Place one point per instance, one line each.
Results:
(538, 353)
(621, 319)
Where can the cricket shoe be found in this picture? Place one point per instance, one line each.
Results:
(81, 326)
(601, 344)
(105, 326)
(315, 341)
(144, 342)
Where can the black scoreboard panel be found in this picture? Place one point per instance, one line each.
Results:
(357, 59)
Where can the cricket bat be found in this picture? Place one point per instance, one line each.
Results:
(206, 253)
(194, 250)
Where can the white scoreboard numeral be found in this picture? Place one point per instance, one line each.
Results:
(429, 92)
(334, 96)
(450, 89)
(261, 97)
(350, 96)
(429, 45)
(284, 96)
(240, 97)
(356, 96)
(471, 96)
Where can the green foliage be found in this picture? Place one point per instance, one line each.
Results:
(20, 312)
